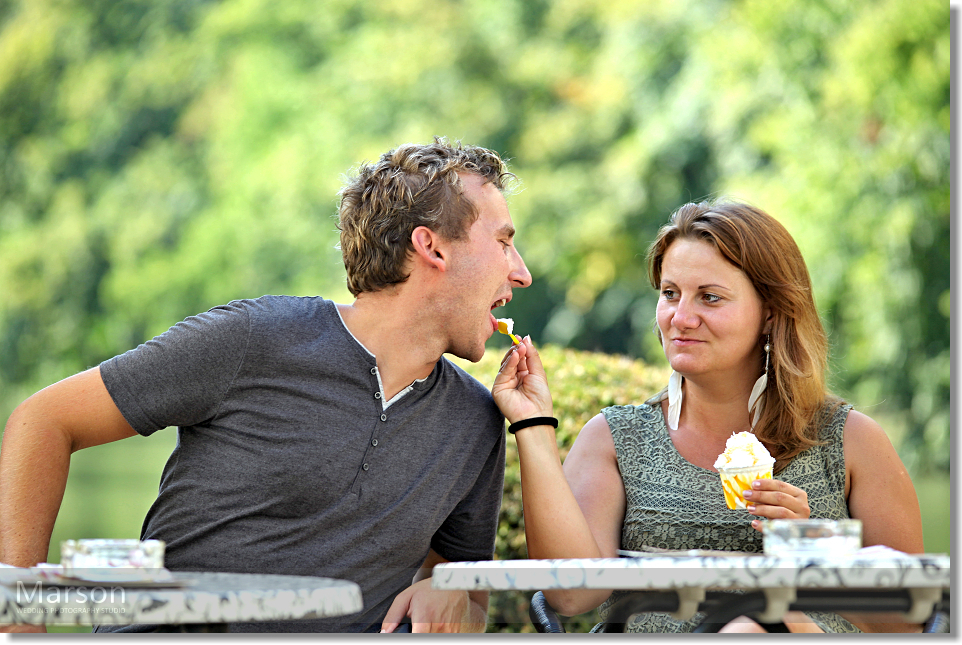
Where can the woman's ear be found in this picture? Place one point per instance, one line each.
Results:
(769, 320)
(428, 247)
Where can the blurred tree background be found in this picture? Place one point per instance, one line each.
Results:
(161, 157)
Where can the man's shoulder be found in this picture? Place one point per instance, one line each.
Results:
(281, 303)
(274, 310)
(459, 377)
(464, 392)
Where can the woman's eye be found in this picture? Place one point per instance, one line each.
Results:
(710, 297)
(668, 294)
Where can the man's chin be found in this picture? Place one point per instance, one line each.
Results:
(473, 354)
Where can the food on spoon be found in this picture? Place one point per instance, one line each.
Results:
(506, 327)
(744, 460)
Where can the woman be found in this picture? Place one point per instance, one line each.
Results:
(735, 313)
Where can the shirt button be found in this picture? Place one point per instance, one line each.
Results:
(373, 370)
(374, 442)
(377, 395)
(383, 417)
(365, 466)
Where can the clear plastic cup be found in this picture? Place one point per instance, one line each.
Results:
(735, 480)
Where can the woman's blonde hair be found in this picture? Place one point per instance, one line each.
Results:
(755, 242)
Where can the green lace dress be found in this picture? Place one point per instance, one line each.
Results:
(673, 504)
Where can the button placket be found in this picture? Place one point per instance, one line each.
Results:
(374, 441)
(366, 466)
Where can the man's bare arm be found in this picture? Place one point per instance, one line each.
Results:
(38, 440)
(434, 610)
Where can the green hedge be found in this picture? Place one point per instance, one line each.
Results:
(582, 383)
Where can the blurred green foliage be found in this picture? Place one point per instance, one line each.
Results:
(160, 157)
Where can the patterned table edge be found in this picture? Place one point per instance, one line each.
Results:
(305, 598)
(650, 573)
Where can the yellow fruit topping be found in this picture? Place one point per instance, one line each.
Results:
(506, 327)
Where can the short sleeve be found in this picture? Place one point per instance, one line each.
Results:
(180, 377)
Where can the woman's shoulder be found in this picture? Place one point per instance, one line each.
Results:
(862, 432)
(631, 413)
(832, 420)
(633, 421)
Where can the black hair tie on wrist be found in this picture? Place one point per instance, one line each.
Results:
(533, 421)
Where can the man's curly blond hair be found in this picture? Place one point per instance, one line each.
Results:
(410, 186)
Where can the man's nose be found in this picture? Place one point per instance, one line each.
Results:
(519, 276)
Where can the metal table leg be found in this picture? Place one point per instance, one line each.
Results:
(829, 600)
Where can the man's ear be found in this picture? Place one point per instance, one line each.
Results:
(429, 248)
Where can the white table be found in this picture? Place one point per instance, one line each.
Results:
(212, 599)
(853, 582)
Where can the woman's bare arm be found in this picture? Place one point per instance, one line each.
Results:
(880, 494)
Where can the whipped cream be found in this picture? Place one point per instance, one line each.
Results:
(744, 449)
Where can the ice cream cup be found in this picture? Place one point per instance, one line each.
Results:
(737, 479)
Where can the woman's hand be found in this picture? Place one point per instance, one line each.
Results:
(521, 386)
(775, 500)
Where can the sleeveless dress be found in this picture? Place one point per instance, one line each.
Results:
(673, 504)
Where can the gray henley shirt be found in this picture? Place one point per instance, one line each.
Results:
(287, 461)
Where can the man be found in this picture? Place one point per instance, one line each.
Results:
(317, 438)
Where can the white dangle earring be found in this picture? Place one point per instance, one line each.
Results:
(674, 399)
(674, 390)
(756, 402)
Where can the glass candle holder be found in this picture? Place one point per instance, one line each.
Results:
(86, 555)
(811, 537)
